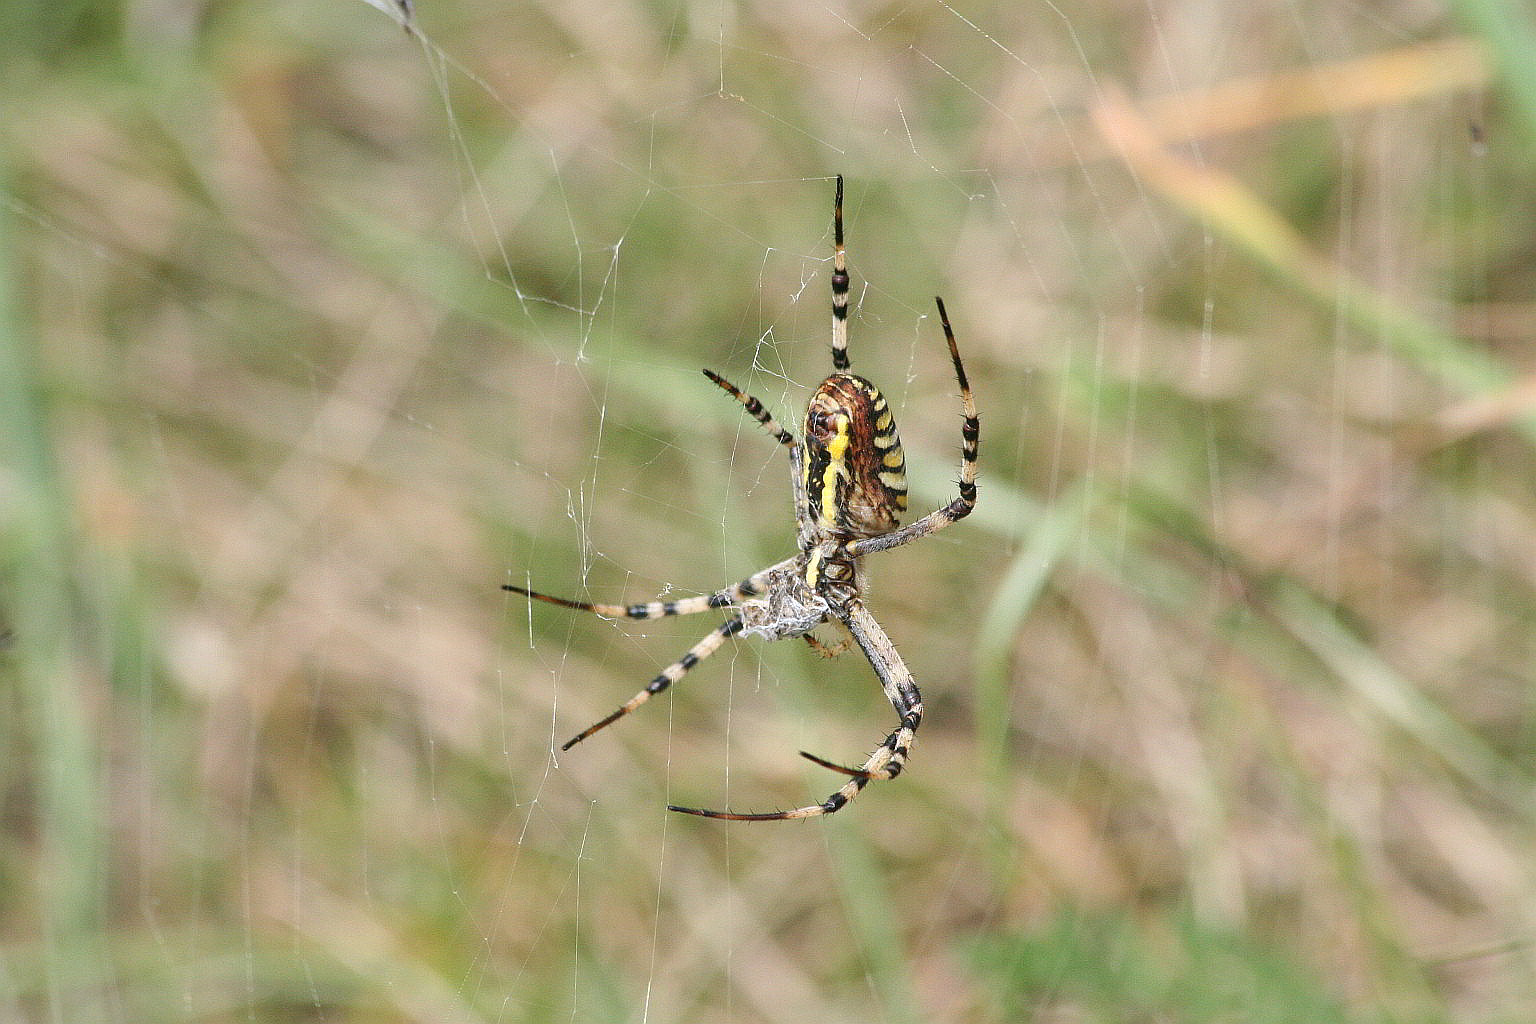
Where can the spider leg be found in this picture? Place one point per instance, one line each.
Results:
(755, 409)
(890, 757)
(842, 769)
(749, 587)
(970, 435)
(669, 675)
(826, 650)
(839, 285)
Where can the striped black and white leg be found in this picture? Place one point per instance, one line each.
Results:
(754, 409)
(840, 283)
(752, 586)
(970, 441)
(890, 758)
(669, 675)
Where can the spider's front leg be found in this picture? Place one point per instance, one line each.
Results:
(658, 608)
(890, 758)
(744, 591)
(669, 675)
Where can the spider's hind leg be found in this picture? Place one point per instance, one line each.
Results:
(970, 440)
(755, 409)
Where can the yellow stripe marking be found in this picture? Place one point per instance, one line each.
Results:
(837, 454)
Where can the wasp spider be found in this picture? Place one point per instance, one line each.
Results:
(850, 487)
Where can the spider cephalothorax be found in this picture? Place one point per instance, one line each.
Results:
(850, 487)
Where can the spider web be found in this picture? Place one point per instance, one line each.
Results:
(1228, 668)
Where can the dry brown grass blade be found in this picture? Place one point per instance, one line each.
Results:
(1390, 79)
(1489, 412)
(1237, 213)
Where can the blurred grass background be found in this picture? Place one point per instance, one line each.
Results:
(315, 332)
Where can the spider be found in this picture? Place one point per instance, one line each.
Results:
(850, 485)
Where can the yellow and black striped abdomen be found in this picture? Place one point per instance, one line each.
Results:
(855, 472)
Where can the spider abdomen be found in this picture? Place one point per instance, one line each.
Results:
(855, 473)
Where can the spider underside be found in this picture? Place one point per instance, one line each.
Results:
(789, 607)
(848, 479)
